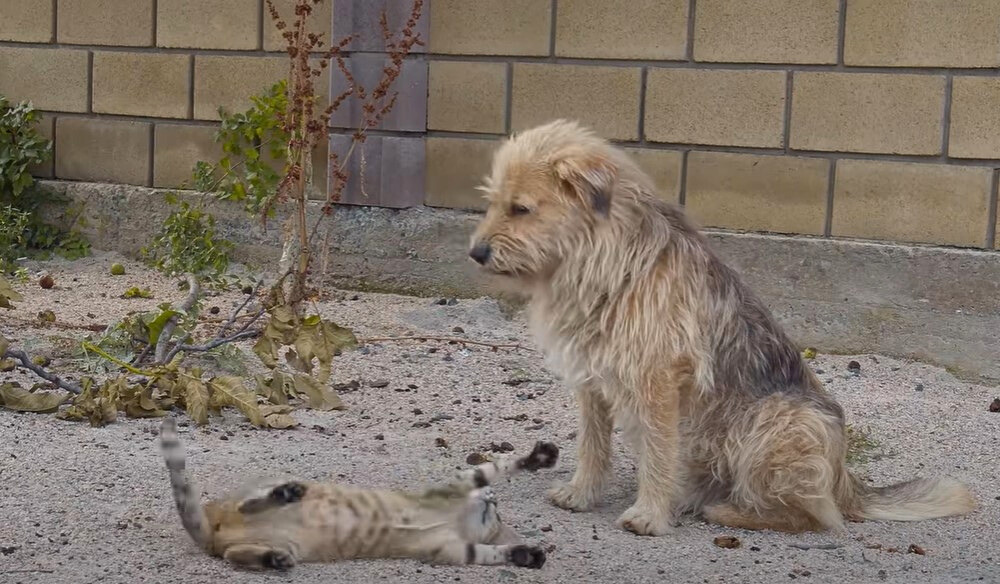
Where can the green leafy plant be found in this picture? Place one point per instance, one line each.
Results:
(21, 149)
(255, 147)
(13, 223)
(8, 295)
(188, 243)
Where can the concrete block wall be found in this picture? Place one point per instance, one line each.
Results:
(130, 89)
(872, 119)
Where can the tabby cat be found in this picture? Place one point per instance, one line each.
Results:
(277, 524)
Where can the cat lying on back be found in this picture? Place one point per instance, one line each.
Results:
(277, 524)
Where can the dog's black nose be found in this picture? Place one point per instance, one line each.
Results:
(480, 252)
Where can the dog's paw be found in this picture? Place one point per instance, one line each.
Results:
(568, 496)
(527, 556)
(642, 521)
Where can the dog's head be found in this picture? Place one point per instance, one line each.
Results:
(548, 188)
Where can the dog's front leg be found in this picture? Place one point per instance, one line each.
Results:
(659, 469)
(593, 454)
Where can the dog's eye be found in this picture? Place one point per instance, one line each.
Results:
(519, 210)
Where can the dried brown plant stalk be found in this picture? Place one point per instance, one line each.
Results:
(308, 124)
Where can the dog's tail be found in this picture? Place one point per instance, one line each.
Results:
(186, 495)
(913, 500)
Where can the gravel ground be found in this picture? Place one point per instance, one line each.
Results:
(82, 505)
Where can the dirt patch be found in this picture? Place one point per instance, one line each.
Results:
(82, 505)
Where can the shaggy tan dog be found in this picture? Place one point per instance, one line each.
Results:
(647, 325)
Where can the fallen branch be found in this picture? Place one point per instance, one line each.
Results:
(37, 323)
(26, 363)
(455, 340)
(163, 342)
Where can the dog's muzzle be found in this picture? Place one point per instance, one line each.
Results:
(481, 252)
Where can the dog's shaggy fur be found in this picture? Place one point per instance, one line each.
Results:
(647, 325)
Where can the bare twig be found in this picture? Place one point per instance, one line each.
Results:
(219, 340)
(455, 340)
(163, 342)
(244, 334)
(818, 546)
(236, 313)
(26, 363)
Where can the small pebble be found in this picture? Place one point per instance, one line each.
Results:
(379, 384)
(380, 436)
(918, 387)
(727, 542)
(458, 330)
(475, 458)
(995, 405)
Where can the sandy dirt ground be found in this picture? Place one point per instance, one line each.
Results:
(80, 505)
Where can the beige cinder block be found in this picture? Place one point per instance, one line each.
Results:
(783, 194)
(46, 129)
(489, 27)
(867, 112)
(230, 81)
(455, 167)
(639, 29)
(466, 96)
(766, 31)
(922, 33)
(141, 84)
(604, 98)
(664, 167)
(911, 202)
(208, 24)
(105, 22)
(719, 107)
(176, 150)
(975, 118)
(103, 150)
(52, 79)
(26, 21)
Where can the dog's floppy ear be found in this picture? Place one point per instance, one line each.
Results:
(591, 176)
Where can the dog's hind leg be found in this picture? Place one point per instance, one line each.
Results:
(785, 471)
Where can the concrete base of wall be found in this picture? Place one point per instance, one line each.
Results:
(939, 305)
